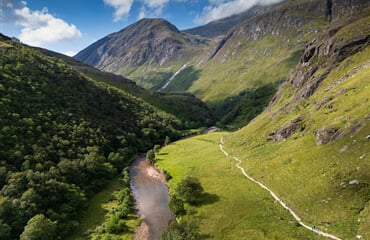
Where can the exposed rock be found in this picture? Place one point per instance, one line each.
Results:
(355, 129)
(343, 149)
(353, 182)
(325, 135)
(287, 130)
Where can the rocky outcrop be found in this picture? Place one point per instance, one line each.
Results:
(325, 53)
(326, 134)
(287, 130)
(290, 21)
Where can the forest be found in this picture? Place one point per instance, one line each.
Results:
(62, 136)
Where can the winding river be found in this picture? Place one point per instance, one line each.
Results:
(151, 195)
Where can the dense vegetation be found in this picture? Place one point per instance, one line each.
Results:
(237, 111)
(62, 136)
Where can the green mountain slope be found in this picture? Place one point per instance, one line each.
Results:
(311, 145)
(261, 50)
(62, 136)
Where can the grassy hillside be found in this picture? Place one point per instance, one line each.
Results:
(311, 146)
(233, 207)
(62, 137)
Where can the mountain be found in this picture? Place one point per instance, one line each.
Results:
(63, 135)
(148, 51)
(311, 144)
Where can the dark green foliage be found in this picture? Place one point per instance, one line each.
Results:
(190, 190)
(4, 230)
(177, 205)
(167, 175)
(39, 227)
(183, 230)
(150, 156)
(62, 136)
(237, 111)
(115, 225)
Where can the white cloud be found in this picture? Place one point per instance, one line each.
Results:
(155, 3)
(122, 7)
(70, 53)
(41, 28)
(152, 8)
(142, 13)
(218, 9)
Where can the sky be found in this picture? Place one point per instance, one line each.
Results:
(68, 26)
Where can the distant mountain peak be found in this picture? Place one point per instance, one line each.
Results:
(158, 24)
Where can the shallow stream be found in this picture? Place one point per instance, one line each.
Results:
(151, 195)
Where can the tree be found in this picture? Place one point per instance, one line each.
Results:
(167, 140)
(4, 230)
(183, 230)
(190, 190)
(177, 205)
(150, 156)
(39, 227)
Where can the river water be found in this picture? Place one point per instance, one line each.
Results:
(151, 195)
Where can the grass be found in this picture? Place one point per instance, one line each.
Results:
(237, 207)
(98, 206)
(183, 81)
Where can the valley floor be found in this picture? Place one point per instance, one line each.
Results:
(235, 207)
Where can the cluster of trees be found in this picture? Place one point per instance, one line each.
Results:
(117, 216)
(188, 191)
(62, 136)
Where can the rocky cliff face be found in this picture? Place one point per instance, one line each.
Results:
(286, 21)
(322, 80)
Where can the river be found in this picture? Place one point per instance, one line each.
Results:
(151, 195)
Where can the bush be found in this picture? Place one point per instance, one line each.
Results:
(115, 225)
(190, 190)
(177, 205)
(184, 230)
(150, 156)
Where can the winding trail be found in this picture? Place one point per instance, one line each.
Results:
(284, 205)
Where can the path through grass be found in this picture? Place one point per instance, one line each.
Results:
(237, 208)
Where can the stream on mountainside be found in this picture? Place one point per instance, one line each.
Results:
(151, 196)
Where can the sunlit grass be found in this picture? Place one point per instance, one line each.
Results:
(237, 207)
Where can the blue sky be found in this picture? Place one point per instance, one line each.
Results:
(68, 26)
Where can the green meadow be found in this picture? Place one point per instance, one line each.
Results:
(234, 207)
